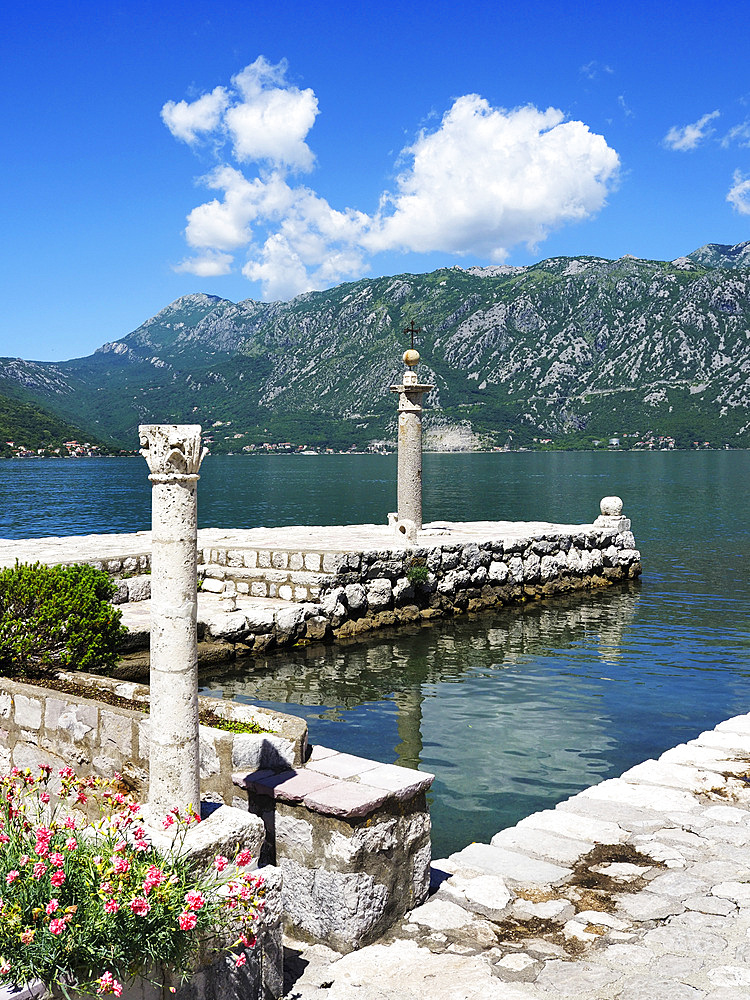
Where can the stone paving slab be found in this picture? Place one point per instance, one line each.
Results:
(658, 909)
(296, 538)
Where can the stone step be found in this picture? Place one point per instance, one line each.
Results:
(311, 560)
(288, 584)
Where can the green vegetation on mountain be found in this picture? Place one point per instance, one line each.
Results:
(25, 428)
(562, 353)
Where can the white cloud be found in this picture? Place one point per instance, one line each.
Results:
(739, 134)
(739, 193)
(208, 265)
(272, 120)
(488, 179)
(185, 121)
(483, 181)
(690, 136)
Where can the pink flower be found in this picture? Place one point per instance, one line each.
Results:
(111, 906)
(56, 859)
(71, 843)
(244, 858)
(121, 865)
(57, 926)
(58, 878)
(23, 860)
(241, 959)
(187, 921)
(195, 900)
(11, 877)
(28, 935)
(108, 984)
(140, 906)
(141, 845)
(4, 967)
(154, 876)
(66, 772)
(51, 907)
(70, 823)
(120, 846)
(81, 797)
(44, 797)
(4, 838)
(220, 862)
(39, 870)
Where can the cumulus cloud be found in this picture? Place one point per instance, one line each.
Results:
(483, 181)
(187, 121)
(690, 136)
(488, 179)
(739, 193)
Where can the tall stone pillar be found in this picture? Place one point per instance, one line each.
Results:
(174, 455)
(410, 394)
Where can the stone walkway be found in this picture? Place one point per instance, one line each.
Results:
(636, 889)
(332, 538)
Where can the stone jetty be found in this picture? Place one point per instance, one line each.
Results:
(637, 888)
(264, 588)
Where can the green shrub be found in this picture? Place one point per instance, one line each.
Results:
(417, 571)
(57, 616)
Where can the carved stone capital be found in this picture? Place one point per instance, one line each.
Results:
(172, 451)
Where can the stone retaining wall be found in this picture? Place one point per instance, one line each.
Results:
(42, 725)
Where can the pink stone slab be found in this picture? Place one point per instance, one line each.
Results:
(319, 753)
(288, 786)
(348, 799)
(343, 765)
(246, 780)
(402, 781)
(294, 786)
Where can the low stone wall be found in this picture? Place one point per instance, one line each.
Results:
(351, 837)
(43, 725)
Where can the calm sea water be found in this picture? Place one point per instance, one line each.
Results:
(512, 710)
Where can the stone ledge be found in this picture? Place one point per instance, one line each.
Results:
(338, 784)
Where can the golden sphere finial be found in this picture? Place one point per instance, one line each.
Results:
(411, 357)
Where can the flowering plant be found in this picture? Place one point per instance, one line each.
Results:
(90, 905)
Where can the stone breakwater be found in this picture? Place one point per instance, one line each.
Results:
(637, 888)
(263, 588)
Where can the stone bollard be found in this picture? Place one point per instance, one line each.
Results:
(174, 455)
(611, 515)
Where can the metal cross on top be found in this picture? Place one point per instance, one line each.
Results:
(412, 330)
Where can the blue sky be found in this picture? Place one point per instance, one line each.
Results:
(256, 149)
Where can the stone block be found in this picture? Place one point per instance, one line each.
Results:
(116, 728)
(28, 712)
(259, 619)
(212, 586)
(515, 868)
(288, 786)
(542, 843)
(379, 594)
(403, 782)
(139, 588)
(285, 592)
(497, 572)
(313, 561)
(342, 765)
(346, 798)
(258, 589)
(235, 557)
(251, 751)
(333, 562)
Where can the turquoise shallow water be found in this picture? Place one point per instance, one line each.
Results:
(512, 710)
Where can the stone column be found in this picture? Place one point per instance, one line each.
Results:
(174, 456)
(410, 394)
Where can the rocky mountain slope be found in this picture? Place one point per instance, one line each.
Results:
(568, 349)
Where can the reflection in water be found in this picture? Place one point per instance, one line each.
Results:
(508, 709)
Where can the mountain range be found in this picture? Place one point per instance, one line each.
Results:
(566, 351)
